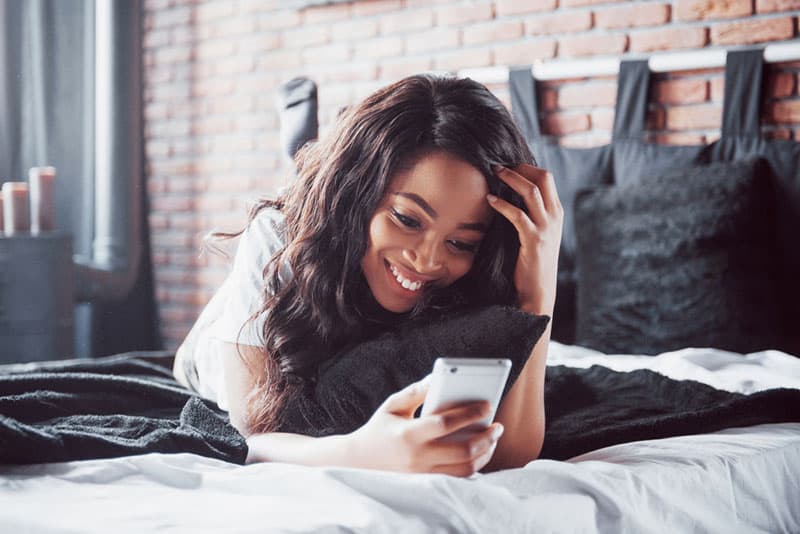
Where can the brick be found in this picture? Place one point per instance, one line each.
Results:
(164, 203)
(406, 21)
(216, 49)
(668, 38)
(213, 11)
(492, 32)
(258, 43)
(328, 13)
(461, 15)
(279, 20)
(587, 95)
(158, 221)
(565, 123)
(589, 45)
(212, 87)
(753, 31)
(602, 119)
(695, 117)
(173, 54)
(561, 22)
(627, 16)
(549, 99)
(348, 73)
(437, 39)
(400, 68)
(655, 119)
(773, 6)
(354, 30)
(717, 88)
(181, 16)
(517, 7)
(238, 64)
(780, 84)
(585, 140)
(305, 36)
(381, 47)
(156, 39)
(524, 52)
(461, 59)
(680, 138)
(365, 9)
(784, 112)
(712, 9)
(575, 3)
(280, 60)
(681, 91)
(328, 53)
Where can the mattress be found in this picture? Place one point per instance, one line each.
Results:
(734, 480)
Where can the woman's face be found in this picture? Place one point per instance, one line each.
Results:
(426, 231)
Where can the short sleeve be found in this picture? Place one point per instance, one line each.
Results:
(245, 285)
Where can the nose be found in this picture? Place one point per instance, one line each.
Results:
(427, 256)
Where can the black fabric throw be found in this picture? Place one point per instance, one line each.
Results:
(127, 404)
(115, 406)
(588, 409)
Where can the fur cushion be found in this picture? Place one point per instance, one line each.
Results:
(685, 258)
(350, 387)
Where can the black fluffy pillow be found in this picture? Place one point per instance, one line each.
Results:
(350, 387)
(685, 258)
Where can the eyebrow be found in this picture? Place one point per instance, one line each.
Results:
(427, 208)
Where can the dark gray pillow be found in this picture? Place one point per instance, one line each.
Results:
(350, 387)
(684, 258)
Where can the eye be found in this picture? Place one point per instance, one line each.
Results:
(406, 221)
(463, 246)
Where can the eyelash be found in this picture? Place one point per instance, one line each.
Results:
(413, 224)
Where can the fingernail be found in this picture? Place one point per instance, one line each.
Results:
(497, 432)
(498, 168)
(491, 198)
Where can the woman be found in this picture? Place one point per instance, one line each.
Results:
(423, 199)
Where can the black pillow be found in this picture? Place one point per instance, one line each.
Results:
(350, 387)
(684, 258)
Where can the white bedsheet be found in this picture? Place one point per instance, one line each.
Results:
(736, 480)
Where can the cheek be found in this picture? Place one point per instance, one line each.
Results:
(382, 234)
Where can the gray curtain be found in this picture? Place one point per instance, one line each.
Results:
(47, 117)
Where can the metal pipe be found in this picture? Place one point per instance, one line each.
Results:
(609, 66)
(117, 246)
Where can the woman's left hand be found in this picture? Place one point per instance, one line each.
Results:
(536, 272)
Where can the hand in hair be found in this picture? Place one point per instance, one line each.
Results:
(393, 440)
(539, 229)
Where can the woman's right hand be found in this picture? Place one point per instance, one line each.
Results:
(393, 440)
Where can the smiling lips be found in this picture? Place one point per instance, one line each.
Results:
(406, 283)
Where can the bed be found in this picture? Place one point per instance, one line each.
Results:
(741, 479)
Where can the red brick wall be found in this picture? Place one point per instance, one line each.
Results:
(211, 69)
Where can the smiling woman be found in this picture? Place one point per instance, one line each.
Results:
(423, 200)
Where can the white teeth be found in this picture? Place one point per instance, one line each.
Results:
(405, 282)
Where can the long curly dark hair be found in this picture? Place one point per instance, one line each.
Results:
(341, 180)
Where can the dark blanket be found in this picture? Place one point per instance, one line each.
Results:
(107, 407)
(129, 404)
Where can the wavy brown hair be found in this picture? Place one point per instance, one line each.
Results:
(341, 180)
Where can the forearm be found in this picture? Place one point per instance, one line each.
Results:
(522, 412)
(299, 449)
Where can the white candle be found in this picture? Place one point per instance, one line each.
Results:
(15, 207)
(43, 201)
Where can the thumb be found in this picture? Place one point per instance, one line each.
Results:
(406, 401)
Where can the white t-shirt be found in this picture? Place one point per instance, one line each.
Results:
(225, 319)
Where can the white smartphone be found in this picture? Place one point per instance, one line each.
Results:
(459, 380)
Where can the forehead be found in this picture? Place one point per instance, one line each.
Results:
(450, 185)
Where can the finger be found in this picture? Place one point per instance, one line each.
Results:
(528, 190)
(443, 452)
(518, 218)
(546, 183)
(406, 401)
(437, 425)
